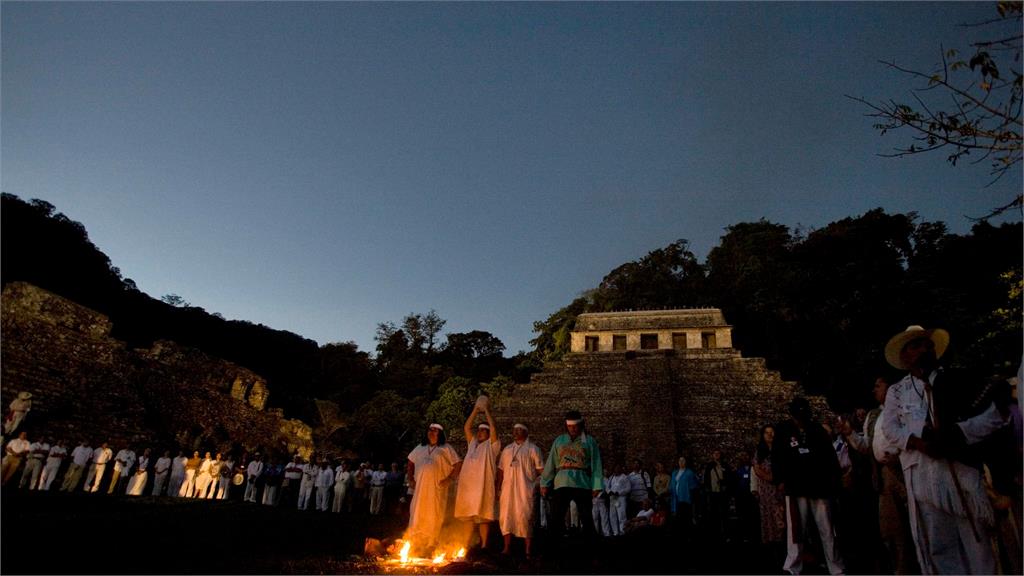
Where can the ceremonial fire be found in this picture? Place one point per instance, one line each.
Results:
(440, 558)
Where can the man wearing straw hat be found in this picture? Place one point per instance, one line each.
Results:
(931, 419)
(17, 410)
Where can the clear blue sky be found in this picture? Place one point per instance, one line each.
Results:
(323, 167)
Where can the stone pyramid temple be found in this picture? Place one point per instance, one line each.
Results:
(653, 385)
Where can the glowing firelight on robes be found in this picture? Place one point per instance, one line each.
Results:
(440, 558)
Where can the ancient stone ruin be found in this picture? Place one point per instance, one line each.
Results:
(88, 385)
(653, 385)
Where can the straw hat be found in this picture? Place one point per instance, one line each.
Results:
(938, 336)
(25, 395)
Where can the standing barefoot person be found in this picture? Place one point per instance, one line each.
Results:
(431, 467)
(518, 471)
(475, 499)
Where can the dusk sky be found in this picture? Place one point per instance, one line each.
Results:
(323, 167)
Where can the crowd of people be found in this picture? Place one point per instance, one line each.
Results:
(316, 484)
(927, 481)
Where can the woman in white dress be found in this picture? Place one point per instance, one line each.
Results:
(431, 467)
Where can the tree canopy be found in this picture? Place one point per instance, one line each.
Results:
(820, 306)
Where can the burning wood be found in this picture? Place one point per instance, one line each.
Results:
(399, 554)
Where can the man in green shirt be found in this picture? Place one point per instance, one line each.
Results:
(573, 469)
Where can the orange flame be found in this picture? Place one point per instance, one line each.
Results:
(461, 553)
(404, 553)
(439, 558)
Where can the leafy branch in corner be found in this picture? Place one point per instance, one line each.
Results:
(967, 107)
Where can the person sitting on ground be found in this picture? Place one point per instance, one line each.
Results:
(643, 517)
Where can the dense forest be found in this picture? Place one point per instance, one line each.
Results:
(818, 305)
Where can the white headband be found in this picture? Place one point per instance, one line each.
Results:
(438, 426)
(573, 422)
(483, 426)
(517, 425)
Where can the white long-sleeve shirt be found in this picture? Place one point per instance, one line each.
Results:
(56, 455)
(255, 469)
(162, 465)
(102, 455)
(325, 479)
(80, 455)
(126, 458)
(619, 485)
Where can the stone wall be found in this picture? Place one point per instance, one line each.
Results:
(654, 405)
(86, 384)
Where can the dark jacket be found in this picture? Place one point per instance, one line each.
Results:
(805, 461)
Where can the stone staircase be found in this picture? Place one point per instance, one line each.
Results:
(653, 405)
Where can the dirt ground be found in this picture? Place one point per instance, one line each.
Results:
(60, 533)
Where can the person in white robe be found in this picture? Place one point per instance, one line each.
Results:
(123, 463)
(80, 457)
(137, 483)
(600, 510)
(324, 485)
(58, 452)
(215, 466)
(310, 472)
(17, 410)
(342, 478)
(431, 466)
(951, 517)
(177, 474)
(519, 468)
(203, 477)
(253, 473)
(161, 470)
(100, 457)
(37, 452)
(475, 499)
(618, 493)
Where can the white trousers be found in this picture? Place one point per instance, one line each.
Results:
(202, 485)
(339, 497)
(136, 484)
(95, 476)
(376, 499)
(188, 485)
(946, 544)
(600, 512)
(159, 480)
(617, 515)
(270, 495)
(305, 491)
(250, 491)
(49, 474)
(174, 488)
(71, 477)
(323, 498)
(30, 475)
(816, 509)
(223, 485)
